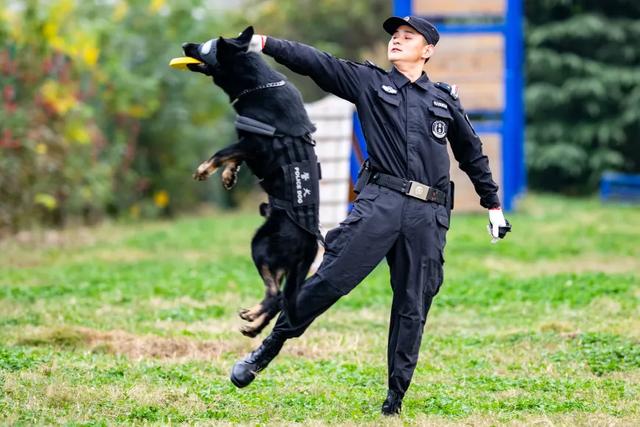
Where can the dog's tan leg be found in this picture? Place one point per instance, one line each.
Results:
(269, 307)
(230, 174)
(272, 288)
(255, 327)
(206, 169)
(235, 153)
(249, 314)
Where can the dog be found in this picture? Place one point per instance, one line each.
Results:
(275, 142)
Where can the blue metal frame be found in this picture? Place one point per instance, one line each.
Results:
(620, 187)
(359, 138)
(402, 7)
(470, 28)
(514, 179)
(514, 174)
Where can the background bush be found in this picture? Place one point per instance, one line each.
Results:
(583, 91)
(93, 119)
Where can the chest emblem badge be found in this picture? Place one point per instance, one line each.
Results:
(389, 89)
(439, 129)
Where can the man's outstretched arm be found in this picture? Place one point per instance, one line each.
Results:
(341, 77)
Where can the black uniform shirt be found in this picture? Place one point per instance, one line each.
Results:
(406, 125)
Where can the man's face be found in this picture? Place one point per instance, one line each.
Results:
(408, 45)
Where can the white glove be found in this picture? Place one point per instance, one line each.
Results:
(496, 220)
(257, 43)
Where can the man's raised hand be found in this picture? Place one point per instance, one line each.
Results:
(257, 43)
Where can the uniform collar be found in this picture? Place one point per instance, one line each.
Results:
(400, 79)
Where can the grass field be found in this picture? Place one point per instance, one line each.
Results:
(136, 323)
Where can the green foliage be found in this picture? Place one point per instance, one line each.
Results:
(583, 91)
(144, 413)
(609, 353)
(93, 119)
(15, 359)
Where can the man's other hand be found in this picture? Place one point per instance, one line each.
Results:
(498, 226)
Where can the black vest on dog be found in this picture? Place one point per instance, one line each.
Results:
(291, 177)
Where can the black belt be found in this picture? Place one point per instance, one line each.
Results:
(410, 188)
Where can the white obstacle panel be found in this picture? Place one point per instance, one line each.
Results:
(333, 118)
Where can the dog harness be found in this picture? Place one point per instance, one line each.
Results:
(291, 179)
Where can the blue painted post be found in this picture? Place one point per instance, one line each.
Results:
(362, 145)
(402, 7)
(514, 173)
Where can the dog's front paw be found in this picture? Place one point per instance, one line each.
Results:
(230, 176)
(205, 170)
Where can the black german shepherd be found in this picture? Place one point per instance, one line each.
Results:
(275, 142)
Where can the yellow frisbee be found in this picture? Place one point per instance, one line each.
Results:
(181, 62)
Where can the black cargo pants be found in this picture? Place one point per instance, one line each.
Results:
(411, 234)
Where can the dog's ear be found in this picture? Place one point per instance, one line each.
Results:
(225, 50)
(244, 38)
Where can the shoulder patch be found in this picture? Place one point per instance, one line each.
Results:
(372, 65)
(452, 90)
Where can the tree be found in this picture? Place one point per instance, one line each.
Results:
(92, 119)
(583, 91)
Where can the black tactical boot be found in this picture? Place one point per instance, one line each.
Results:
(392, 404)
(245, 371)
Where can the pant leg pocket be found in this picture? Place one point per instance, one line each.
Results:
(442, 221)
(432, 275)
(338, 237)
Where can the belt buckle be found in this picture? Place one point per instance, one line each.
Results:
(418, 190)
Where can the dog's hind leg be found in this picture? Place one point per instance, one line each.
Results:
(294, 281)
(260, 314)
(271, 306)
(254, 328)
(272, 290)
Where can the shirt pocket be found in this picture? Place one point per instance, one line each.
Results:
(389, 98)
(439, 123)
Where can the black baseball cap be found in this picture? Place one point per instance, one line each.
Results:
(421, 25)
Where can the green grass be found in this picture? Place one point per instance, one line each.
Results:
(137, 323)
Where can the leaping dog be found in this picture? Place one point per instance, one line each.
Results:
(274, 140)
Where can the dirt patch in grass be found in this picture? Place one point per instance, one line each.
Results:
(136, 347)
(133, 346)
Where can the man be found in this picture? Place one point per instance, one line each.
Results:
(402, 211)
